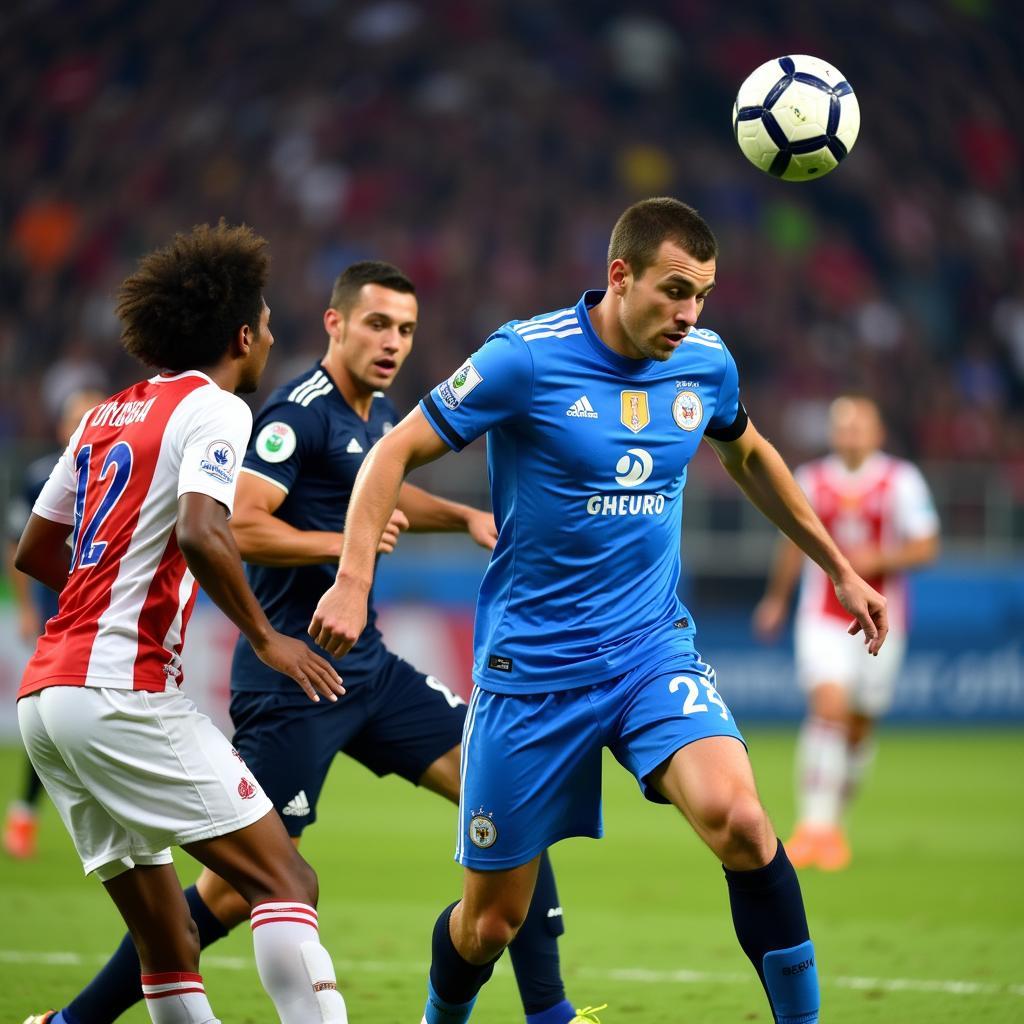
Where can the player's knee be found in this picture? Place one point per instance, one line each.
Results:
(738, 830)
(496, 927)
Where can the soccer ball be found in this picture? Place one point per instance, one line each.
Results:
(796, 117)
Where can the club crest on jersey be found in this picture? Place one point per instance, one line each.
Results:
(482, 830)
(246, 790)
(687, 410)
(219, 462)
(459, 384)
(275, 442)
(635, 412)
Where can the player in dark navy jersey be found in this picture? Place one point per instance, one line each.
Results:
(592, 413)
(307, 445)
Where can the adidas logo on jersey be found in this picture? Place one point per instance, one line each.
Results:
(354, 447)
(582, 409)
(298, 806)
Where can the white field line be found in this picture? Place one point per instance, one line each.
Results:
(638, 975)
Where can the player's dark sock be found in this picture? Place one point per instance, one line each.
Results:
(534, 953)
(768, 913)
(454, 982)
(117, 986)
(33, 786)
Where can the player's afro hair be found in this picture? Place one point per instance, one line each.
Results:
(639, 232)
(186, 302)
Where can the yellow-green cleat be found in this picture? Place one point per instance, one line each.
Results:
(588, 1015)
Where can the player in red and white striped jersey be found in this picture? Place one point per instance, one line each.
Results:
(880, 512)
(133, 518)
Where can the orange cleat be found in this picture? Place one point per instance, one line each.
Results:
(833, 850)
(20, 832)
(818, 846)
(802, 846)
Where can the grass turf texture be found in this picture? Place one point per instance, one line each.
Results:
(934, 895)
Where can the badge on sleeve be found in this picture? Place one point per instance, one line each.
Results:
(219, 461)
(276, 441)
(459, 384)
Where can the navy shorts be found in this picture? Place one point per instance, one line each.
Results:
(531, 764)
(399, 722)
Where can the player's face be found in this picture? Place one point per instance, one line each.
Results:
(855, 429)
(659, 307)
(259, 352)
(373, 340)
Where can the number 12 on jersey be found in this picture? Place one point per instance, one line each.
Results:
(86, 549)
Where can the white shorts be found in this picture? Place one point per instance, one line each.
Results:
(826, 653)
(133, 773)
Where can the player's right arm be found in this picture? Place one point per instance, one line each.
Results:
(772, 610)
(340, 615)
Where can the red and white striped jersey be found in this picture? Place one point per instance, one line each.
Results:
(882, 503)
(123, 611)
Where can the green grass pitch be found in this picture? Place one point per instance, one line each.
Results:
(927, 925)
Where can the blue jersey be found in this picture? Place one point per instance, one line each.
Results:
(587, 454)
(308, 441)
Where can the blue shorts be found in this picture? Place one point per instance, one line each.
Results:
(531, 765)
(401, 722)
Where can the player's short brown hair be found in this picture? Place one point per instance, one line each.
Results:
(352, 279)
(639, 232)
(187, 301)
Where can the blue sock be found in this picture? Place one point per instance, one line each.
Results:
(561, 1013)
(534, 953)
(437, 1011)
(454, 982)
(117, 986)
(768, 914)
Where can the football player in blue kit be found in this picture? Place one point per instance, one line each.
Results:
(308, 442)
(592, 413)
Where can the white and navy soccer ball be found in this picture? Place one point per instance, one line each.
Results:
(796, 118)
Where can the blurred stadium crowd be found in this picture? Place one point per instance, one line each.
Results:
(486, 147)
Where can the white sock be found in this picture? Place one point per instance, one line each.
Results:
(295, 969)
(821, 772)
(859, 757)
(177, 999)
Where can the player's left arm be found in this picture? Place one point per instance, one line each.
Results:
(427, 513)
(765, 479)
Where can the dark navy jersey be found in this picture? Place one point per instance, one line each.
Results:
(37, 473)
(308, 441)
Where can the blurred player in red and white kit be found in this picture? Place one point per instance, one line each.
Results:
(880, 512)
(144, 491)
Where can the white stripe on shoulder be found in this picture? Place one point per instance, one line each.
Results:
(701, 341)
(263, 476)
(554, 325)
(315, 381)
(552, 334)
(525, 325)
(317, 392)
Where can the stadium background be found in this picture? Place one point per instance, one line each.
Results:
(486, 147)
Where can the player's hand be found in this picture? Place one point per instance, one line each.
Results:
(340, 617)
(480, 526)
(293, 658)
(868, 608)
(769, 618)
(398, 522)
